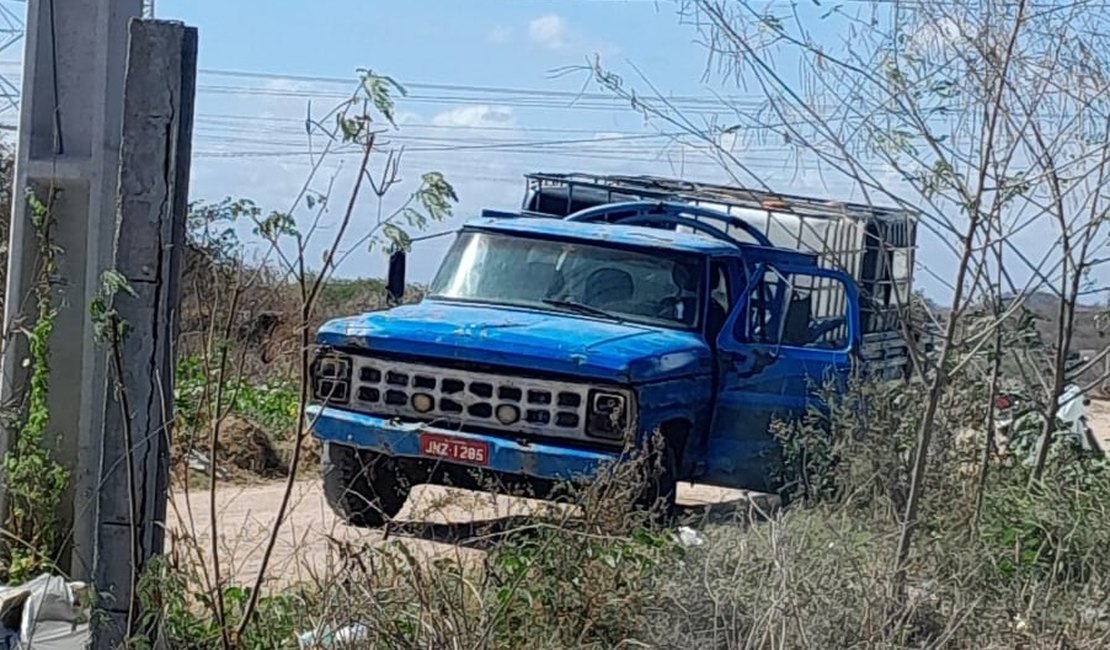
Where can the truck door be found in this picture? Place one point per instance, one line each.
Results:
(792, 330)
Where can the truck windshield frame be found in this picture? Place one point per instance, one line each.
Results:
(652, 287)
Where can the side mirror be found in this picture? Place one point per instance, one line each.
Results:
(395, 283)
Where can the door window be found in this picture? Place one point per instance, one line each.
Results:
(797, 310)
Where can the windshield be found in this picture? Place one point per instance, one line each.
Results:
(655, 288)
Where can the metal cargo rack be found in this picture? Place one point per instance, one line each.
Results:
(887, 234)
(578, 191)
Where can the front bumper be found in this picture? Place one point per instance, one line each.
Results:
(402, 439)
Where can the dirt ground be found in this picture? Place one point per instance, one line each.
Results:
(1099, 414)
(309, 544)
(435, 522)
(1098, 417)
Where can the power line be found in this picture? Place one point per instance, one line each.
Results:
(466, 88)
(11, 28)
(700, 106)
(462, 95)
(254, 124)
(691, 157)
(429, 92)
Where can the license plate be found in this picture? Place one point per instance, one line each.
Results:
(456, 449)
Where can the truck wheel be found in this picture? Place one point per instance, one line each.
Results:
(657, 494)
(363, 488)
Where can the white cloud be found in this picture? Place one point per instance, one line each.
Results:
(499, 34)
(549, 31)
(937, 36)
(406, 117)
(479, 115)
(728, 141)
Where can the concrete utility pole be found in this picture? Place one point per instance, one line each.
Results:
(150, 239)
(69, 137)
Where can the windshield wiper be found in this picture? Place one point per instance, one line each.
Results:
(582, 308)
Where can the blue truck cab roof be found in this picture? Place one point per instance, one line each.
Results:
(632, 236)
(511, 223)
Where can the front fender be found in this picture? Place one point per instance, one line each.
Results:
(688, 399)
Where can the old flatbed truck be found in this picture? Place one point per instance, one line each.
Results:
(605, 310)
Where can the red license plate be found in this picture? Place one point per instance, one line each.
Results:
(456, 449)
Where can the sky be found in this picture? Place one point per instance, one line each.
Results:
(494, 91)
(459, 67)
(490, 96)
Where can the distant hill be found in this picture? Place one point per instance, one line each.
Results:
(1044, 302)
(1091, 331)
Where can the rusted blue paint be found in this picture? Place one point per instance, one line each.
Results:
(521, 338)
(398, 439)
(677, 400)
(673, 400)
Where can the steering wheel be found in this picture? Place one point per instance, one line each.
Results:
(825, 326)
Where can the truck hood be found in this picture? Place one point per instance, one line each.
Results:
(526, 339)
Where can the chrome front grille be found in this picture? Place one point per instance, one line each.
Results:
(456, 397)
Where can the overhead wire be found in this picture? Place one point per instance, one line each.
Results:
(238, 129)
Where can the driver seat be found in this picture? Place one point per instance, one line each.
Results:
(607, 287)
(796, 332)
(715, 322)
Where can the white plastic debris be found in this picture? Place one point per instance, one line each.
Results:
(200, 462)
(333, 638)
(1073, 412)
(689, 537)
(52, 598)
(43, 614)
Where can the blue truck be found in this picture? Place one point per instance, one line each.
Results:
(607, 312)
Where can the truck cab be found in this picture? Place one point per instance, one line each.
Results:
(549, 345)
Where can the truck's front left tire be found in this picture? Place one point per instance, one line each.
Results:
(363, 488)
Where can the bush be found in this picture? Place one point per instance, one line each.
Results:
(271, 404)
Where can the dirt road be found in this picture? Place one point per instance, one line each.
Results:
(435, 519)
(433, 522)
(308, 544)
(1099, 413)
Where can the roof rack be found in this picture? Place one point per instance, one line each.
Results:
(875, 245)
(644, 187)
(662, 213)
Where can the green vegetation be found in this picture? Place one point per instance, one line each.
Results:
(34, 481)
(554, 582)
(170, 595)
(1001, 558)
(270, 403)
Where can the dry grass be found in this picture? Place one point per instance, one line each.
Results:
(1032, 574)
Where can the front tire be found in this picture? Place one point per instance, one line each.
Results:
(365, 489)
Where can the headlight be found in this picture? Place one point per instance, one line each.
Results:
(608, 415)
(331, 378)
